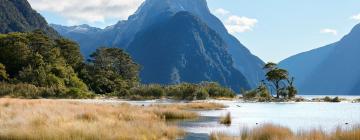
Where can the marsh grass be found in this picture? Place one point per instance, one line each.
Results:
(199, 106)
(226, 120)
(60, 120)
(183, 110)
(275, 132)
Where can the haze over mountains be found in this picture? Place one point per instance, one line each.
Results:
(240, 62)
(332, 69)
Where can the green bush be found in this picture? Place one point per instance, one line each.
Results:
(336, 99)
(75, 93)
(32, 92)
(147, 92)
(250, 94)
(328, 99)
(201, 94)
(184, 91)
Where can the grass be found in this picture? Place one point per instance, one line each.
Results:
(60, 120)
(274, 132)
(226, 120)
(196, 106)
(183, 110)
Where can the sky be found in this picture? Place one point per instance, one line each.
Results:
(270, 29)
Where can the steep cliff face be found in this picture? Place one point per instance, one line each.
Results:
(18, 16)
(332, 69)
(184, 49)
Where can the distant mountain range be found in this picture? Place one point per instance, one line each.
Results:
(18, 16)
(333, 69)
(133, 35)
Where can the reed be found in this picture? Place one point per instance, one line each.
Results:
(275, 132)
(226, 120)
(61, 120)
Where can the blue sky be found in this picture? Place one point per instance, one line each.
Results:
(271, 29)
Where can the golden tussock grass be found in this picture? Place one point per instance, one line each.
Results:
(226, 120)
(60, 120)
(196, 106)
(275, 132)
(183, 110)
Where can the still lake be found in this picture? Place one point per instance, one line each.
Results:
(296, 116)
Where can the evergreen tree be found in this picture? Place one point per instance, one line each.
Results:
(110, 70)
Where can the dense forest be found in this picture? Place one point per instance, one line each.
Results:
(35, 65)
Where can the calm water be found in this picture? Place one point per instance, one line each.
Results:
(297, 116)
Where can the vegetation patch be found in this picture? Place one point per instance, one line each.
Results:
(277, 80)
(226, 120)
(275, 132)
(195, 106)
(57, 120)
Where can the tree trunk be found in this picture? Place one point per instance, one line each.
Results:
(277, 90)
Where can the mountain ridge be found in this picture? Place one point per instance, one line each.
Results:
(175, 58)
(156, 11)
(18, 16)
(335, 72)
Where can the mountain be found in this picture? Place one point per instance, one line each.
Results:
(331, 69)
(153, 12)
(18, 16)
(184, 49)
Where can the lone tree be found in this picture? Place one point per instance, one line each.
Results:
(279, 79)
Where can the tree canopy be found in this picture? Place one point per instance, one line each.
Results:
(111, 70)
(36, 59)
(280, 80)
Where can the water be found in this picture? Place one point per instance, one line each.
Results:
(296, 116)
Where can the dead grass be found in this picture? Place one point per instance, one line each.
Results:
(196, 106)
(183, 110)
(274, 132)
(226, 120)
(57, 120)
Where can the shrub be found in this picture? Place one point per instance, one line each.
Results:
(336, 99)
(201, 94)
(327, 99)
(215, 90)
(250, 94)
(32, 92)
(76, 93)
(147, 92)
(3, 74)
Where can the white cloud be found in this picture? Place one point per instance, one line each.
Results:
(329, 31)
(221, 12)
(356, 17)
(76, 11)
(234, 23)
(237, 24)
